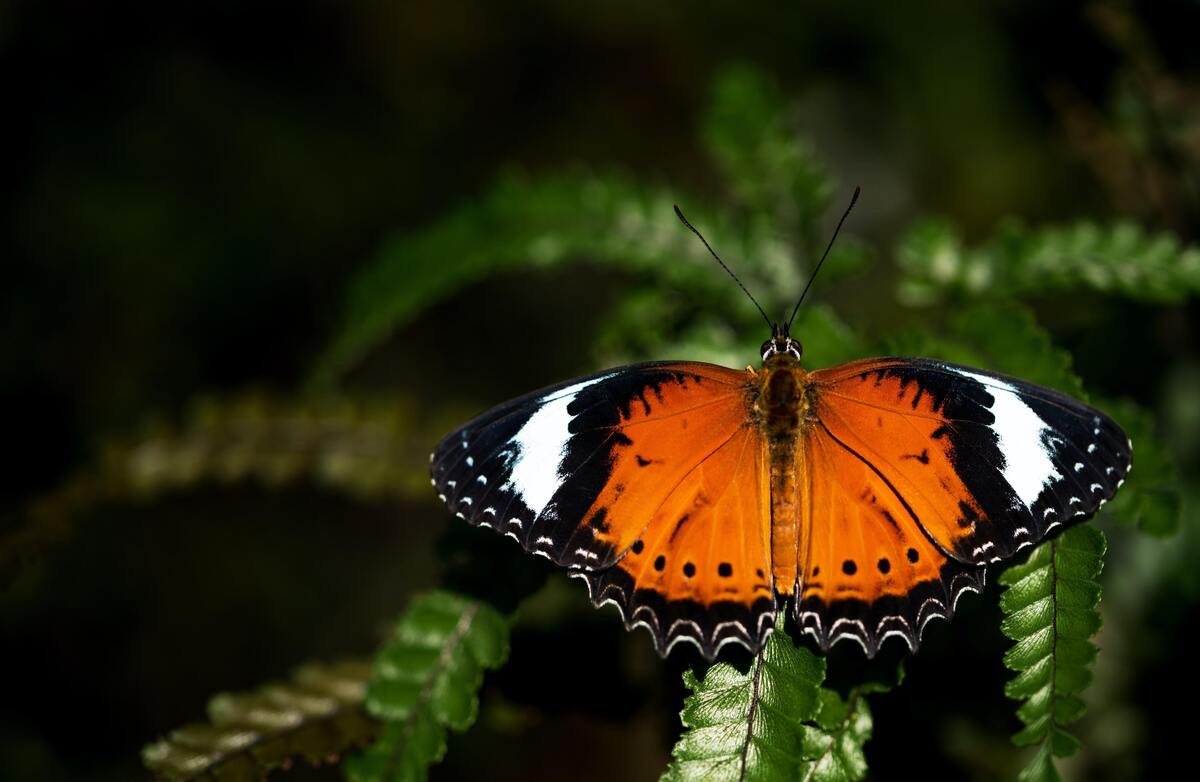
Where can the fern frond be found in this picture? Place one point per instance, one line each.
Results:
(833, 748)
(1151, 498)
(749, 726)
(1003, 337)
(773, 721)
(367, 449)
(425, 681)
(1118, 258)
(752, 135)
(1050, 611)
(317, 716)
(550, 221)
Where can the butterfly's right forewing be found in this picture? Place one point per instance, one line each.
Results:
(922, 472)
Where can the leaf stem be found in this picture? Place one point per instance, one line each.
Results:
(448, 647)
(758, 664)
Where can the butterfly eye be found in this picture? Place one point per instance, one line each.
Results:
(767, 349)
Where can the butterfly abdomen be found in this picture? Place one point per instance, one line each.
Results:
(781, 411)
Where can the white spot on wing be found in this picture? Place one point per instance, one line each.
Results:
(541, 445)
(1022, 434)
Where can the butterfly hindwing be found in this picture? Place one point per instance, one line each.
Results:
(871, 570)
(980, 465)
(588, 473)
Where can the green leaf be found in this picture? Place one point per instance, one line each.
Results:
(368, 449)
(1002, 337)
(833, 748)
(1050, 611)
(748, 725)
(1118, 258)
(425, 681)
(758, 146)
(317, 716)
(772, 721)
(550, 221)
(1151, 498)
(826, 338)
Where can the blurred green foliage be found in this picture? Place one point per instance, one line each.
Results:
(431, 326)
(315, 716)
(1120, 259)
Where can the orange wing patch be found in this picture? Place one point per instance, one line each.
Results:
(897, 428)
(699, 571)
(661, 440)
(870, 571)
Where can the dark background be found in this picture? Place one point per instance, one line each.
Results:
(187, 191)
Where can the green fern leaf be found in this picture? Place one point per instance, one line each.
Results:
(1050, 611)
(749, 726)
(1151, 498)
(318, 715)
(1118, 258)
(523, 223)
(425, 682)
(773, 172)
(826, 338)
(1003, 337)
(833, 748)
(368, 449)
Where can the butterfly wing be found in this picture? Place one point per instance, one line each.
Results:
(921, 472)
(646, 481)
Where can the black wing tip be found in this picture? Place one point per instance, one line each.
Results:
(902, 616)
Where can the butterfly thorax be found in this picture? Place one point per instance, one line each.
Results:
(781, 410)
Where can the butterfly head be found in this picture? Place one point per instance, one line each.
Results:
(781, 344)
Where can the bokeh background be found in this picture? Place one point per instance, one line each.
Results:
(190, 195)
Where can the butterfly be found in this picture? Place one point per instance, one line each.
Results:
(700, 500)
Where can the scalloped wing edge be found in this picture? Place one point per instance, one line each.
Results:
(870, 624)
(670, 622)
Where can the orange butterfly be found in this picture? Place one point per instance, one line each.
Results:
(697, 499)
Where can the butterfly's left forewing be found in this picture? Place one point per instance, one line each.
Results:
(646, 481)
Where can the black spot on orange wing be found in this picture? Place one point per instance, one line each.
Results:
(679, 526)
(706, 551)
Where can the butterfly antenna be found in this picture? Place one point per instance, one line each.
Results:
(853, 200)
(713, 252)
